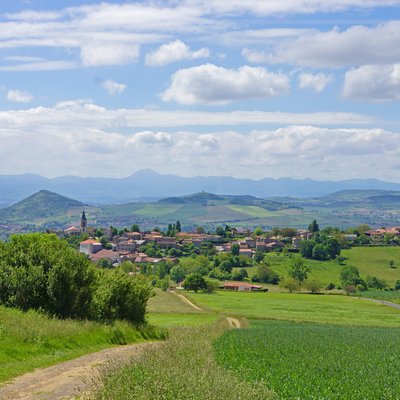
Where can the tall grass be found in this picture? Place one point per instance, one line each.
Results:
(182, 368)
(29, 339)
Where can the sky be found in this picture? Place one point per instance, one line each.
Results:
(243, 88)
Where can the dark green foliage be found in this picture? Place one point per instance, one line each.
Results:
(372, 282)
(266, 274)
(42, 272)
(194, 282)
(177, 273)
(121, 296)
(313, 227)
(321, 247)
(235, 249)
(350, 275)
(239, 275)
(397, 285)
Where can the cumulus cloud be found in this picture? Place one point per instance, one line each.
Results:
(210, 84)
(172, 52)
(315, 82)
(151, 138)
(19, 96)
(373, 83)
(112, 87)
(357, 45)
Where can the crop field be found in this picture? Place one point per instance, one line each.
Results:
(329, 309)
(312, 361)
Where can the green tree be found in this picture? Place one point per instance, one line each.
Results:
(235, 249)
(135, 228)
(350, 275)
(194, 282)
(313, 227)
(374, 282)
(298, 270)
(313, 285)
(177, 273)
(178, 227)
(266, 274)
(290, 284)
(319, 253)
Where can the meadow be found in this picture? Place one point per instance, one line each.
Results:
(297, 307)
(313, 361)
(29, 340)
(369, 261)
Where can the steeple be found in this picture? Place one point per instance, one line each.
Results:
(83, 222)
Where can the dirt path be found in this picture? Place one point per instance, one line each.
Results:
(68, 379)
(234, 322)
(384, 302)
(186, 300)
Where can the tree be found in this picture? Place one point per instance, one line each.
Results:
(373, 282)
(313, 227)
(266, 274)
(319, 253)
(288, 232)
(313, 285)
(298, 270)
(200, 229)
(135, 228)
(239, 275)
(258, 231)
(290, 284)
(350, 275)
(235, 249)
(259, 256)
(177, 273)
(178, 227)
(397, 285)
(194, 282)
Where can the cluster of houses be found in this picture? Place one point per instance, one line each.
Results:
(378, 235)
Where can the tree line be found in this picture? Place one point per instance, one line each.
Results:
(41, 272)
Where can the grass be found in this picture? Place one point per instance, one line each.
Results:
(369, 261)
(30, 340)
(311, 361)
(167, 310)
(253, 211)
(330, 309)
(182, 368)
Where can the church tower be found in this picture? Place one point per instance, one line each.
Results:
(83, 222)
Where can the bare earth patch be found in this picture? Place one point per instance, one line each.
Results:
(68, 379)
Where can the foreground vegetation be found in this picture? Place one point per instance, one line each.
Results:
(29, 339)
(310, 361)
(183, 368)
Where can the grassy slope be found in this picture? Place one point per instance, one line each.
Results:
(167, 310)
(369, 261)
(329, 309)
(30, 340)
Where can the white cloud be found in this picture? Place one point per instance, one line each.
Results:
(280, 7)
(373, 83)
(210, 84)
(41, 66)
(316, 82)
(172, 52)
(296, 151)
(19, 96)
(103, 54)
(112, 87)
(357, 45)
(81, 114)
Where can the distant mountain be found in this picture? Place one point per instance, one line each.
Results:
(149, 185)
(41, 205)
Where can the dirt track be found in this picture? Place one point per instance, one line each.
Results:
(68, 379)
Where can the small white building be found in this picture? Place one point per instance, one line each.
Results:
(90, 246)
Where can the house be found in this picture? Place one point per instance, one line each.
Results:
(109, 255)
(90, 246)
(166, 242)
(246, 252)
(241, 287)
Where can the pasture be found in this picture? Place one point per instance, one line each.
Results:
(329, 309)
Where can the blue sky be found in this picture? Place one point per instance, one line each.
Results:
(245, 88)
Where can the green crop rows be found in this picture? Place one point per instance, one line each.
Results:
(310, 361)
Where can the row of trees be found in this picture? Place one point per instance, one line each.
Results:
(42, 272)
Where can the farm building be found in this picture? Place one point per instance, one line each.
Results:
(241, 286)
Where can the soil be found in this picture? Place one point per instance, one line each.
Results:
(68, 379)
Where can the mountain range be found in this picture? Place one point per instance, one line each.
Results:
(147, 185)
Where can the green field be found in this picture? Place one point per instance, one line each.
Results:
(167, 310)
(30, 340)
(311, 361)
(329, 309)
(369, 261)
